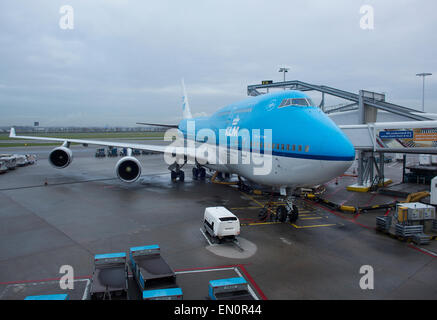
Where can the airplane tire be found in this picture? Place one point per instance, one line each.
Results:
(202, 173)
(181, 176)
(195, 173)
(294, 215)
(281, 214)
(173, 176)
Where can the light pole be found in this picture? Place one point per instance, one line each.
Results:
(423, 75)
(284, 70)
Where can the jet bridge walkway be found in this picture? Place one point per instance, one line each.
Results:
(365, 98)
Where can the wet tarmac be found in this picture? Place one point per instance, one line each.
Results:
(85, 210)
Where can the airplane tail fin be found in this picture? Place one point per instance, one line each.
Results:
(185, 106)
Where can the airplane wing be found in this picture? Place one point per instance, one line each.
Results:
(190, 153)
(138, 146)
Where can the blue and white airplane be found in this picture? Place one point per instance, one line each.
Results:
(306, 148)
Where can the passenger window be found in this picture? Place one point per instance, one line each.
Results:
(300, 148)
(288, 147)
(294, 147)
(282, 147)
(307, 148)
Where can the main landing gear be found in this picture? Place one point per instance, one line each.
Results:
(199, 173)
(176, 172)
(289, 210)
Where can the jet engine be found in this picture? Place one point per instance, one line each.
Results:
(128, 169)
(60, 157)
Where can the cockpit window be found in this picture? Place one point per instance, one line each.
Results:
(301, 102)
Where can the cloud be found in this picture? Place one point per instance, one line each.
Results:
(124, 60)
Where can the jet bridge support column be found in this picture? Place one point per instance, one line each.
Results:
(366, 160)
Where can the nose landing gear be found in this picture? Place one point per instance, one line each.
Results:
(283, 212)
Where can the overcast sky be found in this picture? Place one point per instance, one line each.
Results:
(123, 60)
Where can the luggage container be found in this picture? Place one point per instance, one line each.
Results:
(48, 297)
(9, 160)
(414, 211)
(229, 289)
(112, 152)
(163, 294)
(150, 270)
(100, 153)
(20, 160)
(221, 223)
(110, 277)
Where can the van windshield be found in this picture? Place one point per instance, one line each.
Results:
(228, 219)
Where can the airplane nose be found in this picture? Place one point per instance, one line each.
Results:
(339, 152)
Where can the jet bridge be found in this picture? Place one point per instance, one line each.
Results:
(370, 137)
(364, 100)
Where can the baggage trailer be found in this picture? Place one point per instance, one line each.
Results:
(110, 277)
(150, 270)
(163, 294)
(112, 152)
(230, 289)
(48, 297)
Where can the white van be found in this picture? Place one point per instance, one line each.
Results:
(221, 223)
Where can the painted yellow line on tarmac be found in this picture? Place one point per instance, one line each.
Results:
(244, 208)
(313, 226)
(261, 223)
(311, 218)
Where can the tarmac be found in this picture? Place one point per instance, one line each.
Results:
(51, 217)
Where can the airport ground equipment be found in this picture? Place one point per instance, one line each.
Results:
(229, 289)
(48, 297)
(31, 158)
(383, 223)
(100, 153)
(408, 213)
(421, 238)
(21, 160)
(150, 269)
(110, 277)
(112, 152)
(3, 166)
(123, 152)
(220, 223)
(163, 294)
(136, 152)
(406, 231)
(9, 161)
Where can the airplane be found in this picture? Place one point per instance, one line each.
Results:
(305, 147)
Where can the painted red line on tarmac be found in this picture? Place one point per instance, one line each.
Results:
(249, 277)
(339, 215)
(420, 250)
(208, 268)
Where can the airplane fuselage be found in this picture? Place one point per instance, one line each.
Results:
(306, 148)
